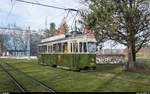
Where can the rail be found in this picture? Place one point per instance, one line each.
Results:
(36, 81)
(14, 80)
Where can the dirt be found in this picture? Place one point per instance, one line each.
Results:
(119, 68)
(138, 68)
(141, 69)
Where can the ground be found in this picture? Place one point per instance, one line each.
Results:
(107, 78)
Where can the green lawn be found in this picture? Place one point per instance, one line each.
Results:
(143, 57)
(6, 84)
(107, 78)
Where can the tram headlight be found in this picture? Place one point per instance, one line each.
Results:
(92, 62)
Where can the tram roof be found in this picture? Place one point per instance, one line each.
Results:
(65, 37)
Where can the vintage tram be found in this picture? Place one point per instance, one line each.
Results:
(68, 51)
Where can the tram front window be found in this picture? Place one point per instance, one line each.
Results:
(91, 46)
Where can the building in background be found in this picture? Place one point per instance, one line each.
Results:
(18, 42)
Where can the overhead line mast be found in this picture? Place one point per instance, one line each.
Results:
(47, 5)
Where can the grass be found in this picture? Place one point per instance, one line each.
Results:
(6, 84)
(107, 78)
(24, 81)
(143, 57)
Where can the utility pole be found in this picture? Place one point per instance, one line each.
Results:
(28, 42)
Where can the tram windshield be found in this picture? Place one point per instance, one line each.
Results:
(91, 46)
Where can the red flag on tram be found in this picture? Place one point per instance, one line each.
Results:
(92, 32)
(86, 31)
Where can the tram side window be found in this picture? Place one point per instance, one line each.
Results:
(80, 45)
(75, 47)
(54, 48)
(65, 47)
(49, 49)
(43, 49)
(59, 47)
(40, 49)
(91, 46)
(71, 47)
(84, 47)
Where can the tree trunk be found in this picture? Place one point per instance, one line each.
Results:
(133, 52)
(131, 58)
(134, 56)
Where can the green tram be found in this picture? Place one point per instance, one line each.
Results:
(69, 51)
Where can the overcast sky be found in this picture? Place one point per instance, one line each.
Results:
(25, 15)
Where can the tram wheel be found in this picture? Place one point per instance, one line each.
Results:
(54, 66)
(86, 68)
(94, 68)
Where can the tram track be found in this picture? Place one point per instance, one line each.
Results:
(40, 84)
(22, 89)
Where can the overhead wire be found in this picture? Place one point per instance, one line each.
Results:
(66, 9)
(72, 15)
(47, 5)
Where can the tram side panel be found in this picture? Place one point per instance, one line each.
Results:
(65, 60)
(86, 61)
(72, 61)
(77, 61)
